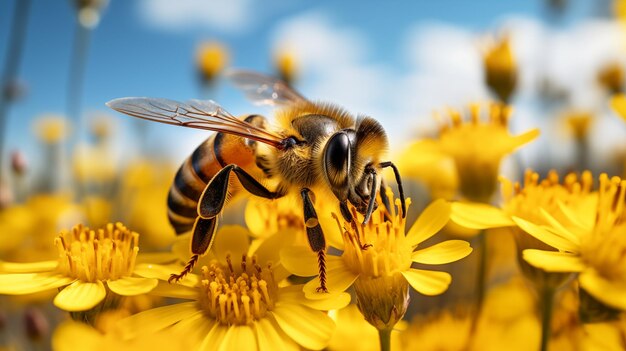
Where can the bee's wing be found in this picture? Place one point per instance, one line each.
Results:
(200, 114)
(265, 90)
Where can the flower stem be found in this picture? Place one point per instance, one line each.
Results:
(384, 336)
(547, 302)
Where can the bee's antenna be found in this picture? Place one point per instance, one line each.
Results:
(399, 181)
(374, 193)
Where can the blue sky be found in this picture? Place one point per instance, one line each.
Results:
(137, 51)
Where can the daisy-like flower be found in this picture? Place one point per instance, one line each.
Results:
(376, 259)
(593, 245)
(618, 104)
(91, 265)
(211, 58)
(237, 302)
(530, 201)
(611, 77)
(477, 161)
(286, 64)
(500, 69)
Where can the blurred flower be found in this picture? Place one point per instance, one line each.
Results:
(94, 164)
(238, 302)
(500, 69)
(579, 123)
(211, 58)
(444, 331)
(87, 260)
(89, 12)
(52, 129)
(354, 333)
(611, 77)
(591, 244)
(286, 65)
(618, 103)
(477, 161)
(377, 260)
(19, 165)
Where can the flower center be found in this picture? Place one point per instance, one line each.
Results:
(237, 295)
(378, 248)
(90, 255)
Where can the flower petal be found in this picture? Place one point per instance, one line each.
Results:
(299, 260)
(546, 236)
(428, 282)
(131, 286)
(177, 291)
(195, 328)
(271, 337)
(338, 279)
(445, 252)
(32, 267)
(611, 293)
(156, 319)
(559, 229)
(310, 328)
(213, 338)
(432, 219)
(80, 296)
(479, 216)
(230, 239)
(71, 335)
(618, 104)
(30, 283)
(239, 337)
(554, 261)
(295, 295)
(156, 257)
(163, 273)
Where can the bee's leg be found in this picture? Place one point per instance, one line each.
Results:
(399, 181)
(201, 240)
(316, 236)
(385, 200)
(213, 198)
(345, 212)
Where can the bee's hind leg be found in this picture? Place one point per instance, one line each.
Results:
(315, 236)
(201, 240)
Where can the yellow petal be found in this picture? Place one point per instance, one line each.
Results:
(548, 237)
(176, 291)
(428, 282)
(611, 293)
(194, 328)
(445, 252)
(71, 336)
(310, 328)
(554, 261)
(294, 294)
(299, 260)
(338, 279)
(163, 273)
(269, 249)
(239, 337)
(30, 283)
(270, 337)
(233, 239)
(155, 319)
(33, 267)
(156, 257)
(522, 139)
(479, 216)
(213, 338)
(434, 217)
(80, 296)
(557, 228)
(131, 286)
(618, 104)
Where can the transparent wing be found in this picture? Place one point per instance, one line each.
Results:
(265, 90)
(200, 114)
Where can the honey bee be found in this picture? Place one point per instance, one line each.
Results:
(318, 148)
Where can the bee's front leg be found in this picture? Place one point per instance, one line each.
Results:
(345, 212)
(316, 236)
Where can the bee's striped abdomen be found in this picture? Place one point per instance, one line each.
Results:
(197, 171)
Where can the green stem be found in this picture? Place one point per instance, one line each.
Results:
(547, 302)
(384, 336)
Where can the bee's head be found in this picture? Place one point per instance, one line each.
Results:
(352, 166)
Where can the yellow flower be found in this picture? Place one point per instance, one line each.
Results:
(381, 271)
(444, 331)
(477, 148)
(87, 260)
(611, 77)
(89, 12)
(286, 64)
(211, 58)
(237, 302)
(531, 202)
(354, 333)
(579, 122)
(593, 245)
(51, 129)
(618, 103)
(501, 69)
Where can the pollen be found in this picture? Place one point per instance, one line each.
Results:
(92, 255)
(379, 248)
(237, 295)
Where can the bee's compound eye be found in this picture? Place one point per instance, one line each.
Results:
(337, 159)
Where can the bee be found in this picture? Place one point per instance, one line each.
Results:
(317, 148)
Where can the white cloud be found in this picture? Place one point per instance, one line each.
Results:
(223, 15)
